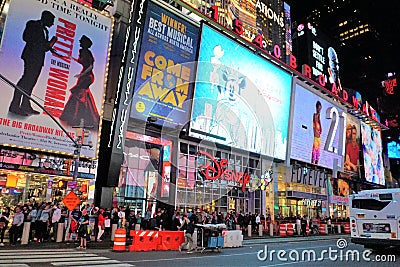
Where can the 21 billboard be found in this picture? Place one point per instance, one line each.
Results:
(240, 99)
(57, 51)
(316, 130)
(166, 69)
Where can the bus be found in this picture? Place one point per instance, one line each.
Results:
(375, 218)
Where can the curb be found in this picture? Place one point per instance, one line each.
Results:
(291, 239)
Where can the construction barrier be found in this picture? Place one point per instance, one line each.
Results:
(322, 229)
(146, 240)
(282, 229)
(232, 239)
(307, 229)
(170, 240)
(347, 228)
(290, 229)
(339, 228)
(120, 240)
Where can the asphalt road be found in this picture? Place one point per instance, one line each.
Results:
(282, 253)
(327, 253)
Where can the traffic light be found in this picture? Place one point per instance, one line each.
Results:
(67, 166)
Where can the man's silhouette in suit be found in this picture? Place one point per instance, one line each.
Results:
(36, 36)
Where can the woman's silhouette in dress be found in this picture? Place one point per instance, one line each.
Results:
(81, 104)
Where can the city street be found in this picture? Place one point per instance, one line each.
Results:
(296, 253)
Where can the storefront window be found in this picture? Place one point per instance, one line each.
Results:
(194, 190)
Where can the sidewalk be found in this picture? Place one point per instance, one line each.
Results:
(108, 244)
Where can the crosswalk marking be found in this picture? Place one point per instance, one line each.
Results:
(65, 257)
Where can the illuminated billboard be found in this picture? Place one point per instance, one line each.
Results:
(372, 154)
(166, 68)
(267, 18)
(352, 144)
(316, 128)
(240, 99)
(58, 53)
(393, 149)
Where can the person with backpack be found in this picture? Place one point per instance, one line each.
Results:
(188, 226)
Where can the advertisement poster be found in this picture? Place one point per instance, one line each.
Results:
(314, 129)
(352, 145)
(240, 100)
(372, 152)
(166, 69)
(57, 51)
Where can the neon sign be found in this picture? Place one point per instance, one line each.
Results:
(219, 169)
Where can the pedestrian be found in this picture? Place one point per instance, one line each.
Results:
(55, 219)
(43, 220)
(4, 220)
(100, 225)
(74, 216)
(188, 226)
(304, 225)
(83, 229)
(16, 226)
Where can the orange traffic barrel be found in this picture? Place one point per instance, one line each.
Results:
(120, 240)
(321, 229)
(290, 229)
(347, 228)
(282, 229)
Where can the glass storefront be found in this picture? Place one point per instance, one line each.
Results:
(145, 174)
(217, 180)
(23, 187)
(298, 198)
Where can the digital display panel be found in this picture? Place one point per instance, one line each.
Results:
(166, 68)
(240, 99)
(393, 149)
(352, 144)
(316, 127)
(372, 152)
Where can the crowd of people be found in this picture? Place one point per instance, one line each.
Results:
(87, 222)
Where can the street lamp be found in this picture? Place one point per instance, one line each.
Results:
(79, 143)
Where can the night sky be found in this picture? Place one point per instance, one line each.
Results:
(384, 16)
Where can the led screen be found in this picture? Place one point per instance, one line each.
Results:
(315, 136)
(240, 99)
(163, 86)
(372, 153)
(352, 144)
(393, 150)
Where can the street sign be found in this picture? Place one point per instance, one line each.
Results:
(72, 184)
(71, 200)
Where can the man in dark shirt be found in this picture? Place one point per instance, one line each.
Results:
(36, 37)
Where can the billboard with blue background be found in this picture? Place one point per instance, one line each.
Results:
(240, 99)
(166, 68)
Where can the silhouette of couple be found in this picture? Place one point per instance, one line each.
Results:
(81, 104)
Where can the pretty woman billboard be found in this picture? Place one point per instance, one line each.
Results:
(57, 52)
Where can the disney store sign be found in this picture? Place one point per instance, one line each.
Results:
(218, 169)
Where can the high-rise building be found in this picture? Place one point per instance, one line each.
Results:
(366, 43)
